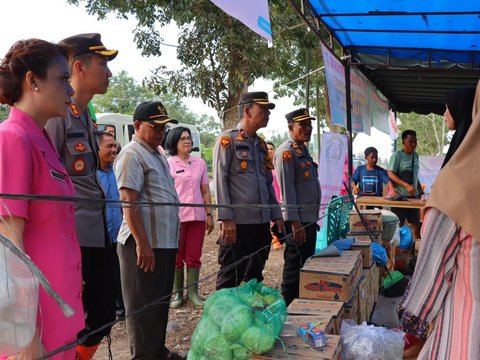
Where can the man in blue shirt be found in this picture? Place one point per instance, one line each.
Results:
(107, 153)
(368, 180)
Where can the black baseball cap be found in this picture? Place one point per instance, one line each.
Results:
(299, 115)
(89, 44)
(257, 97)
(152, 111)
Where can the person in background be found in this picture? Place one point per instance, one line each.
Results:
(192, 185)
(444, 289)
(242, 176)
(271, 153)
(107, 154)
(148, 237)
(76, 140)
(368, 180)
(403, 171)
(458, 117)
(298, 178)
(110, 128)
(35, 82)
(276, 187)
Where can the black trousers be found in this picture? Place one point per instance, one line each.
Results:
(250, 238)
(147, 328)
(295, 256)
(98, 292)
(119, 307)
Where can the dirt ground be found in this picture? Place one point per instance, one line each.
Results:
(182, 321)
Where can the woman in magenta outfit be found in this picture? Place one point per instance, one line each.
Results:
(34, 81)
(192, 185)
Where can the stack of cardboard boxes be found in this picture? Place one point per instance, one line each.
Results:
(333, 289)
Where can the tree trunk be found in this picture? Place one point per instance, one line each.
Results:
(230, 116)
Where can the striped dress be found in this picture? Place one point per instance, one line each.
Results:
(445, 290)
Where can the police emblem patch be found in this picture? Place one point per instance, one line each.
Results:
(225, 141)
(287, 156)
(80, 147)
(74, 110)
(79, 165)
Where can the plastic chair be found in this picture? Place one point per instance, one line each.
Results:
(337, 219)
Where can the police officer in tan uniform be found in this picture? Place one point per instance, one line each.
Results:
(242, 174)
(298, 180)
(76, 140)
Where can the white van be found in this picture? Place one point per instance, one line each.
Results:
(124, 129)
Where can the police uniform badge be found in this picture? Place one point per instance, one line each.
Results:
(79, 165)
(244, 164)
(287, 156)
(225, 141)
(306, 173)
(80, 147)
(74, 110)
(240, 138)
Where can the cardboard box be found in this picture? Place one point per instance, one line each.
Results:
(303, 307)
(417, 247)
(331, 278)
(402, 257)
(375, 282)
(390, 248)
(352, 308)
(364, 294)
(365, 246)
(363, 236)
(372, 217)
(295, 348)
(324, 322)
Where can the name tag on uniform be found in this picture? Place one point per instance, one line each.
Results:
(179, 171)
(57, 175)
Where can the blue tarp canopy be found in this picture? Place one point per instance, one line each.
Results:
(414, 51)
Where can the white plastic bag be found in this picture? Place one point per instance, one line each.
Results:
(18, 302)
(369, 342)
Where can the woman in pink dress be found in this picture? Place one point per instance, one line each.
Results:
(34, 81)
(192, 185)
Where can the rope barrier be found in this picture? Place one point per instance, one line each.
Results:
(103, 202)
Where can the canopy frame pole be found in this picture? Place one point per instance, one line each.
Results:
(348, 109)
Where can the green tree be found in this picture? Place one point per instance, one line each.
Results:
(220, 56)
(123, 95)
(4, 111)
(431, 132)
(278, 139)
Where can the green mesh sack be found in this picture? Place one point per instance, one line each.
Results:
(257, 340)
(239, 352)
(239, 322)
(205, 329)
(217, 347)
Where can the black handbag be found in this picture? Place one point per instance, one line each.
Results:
(407, 176)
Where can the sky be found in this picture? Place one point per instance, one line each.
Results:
(54, 20)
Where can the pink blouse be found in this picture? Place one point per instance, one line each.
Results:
(29, 164)
(189, 177)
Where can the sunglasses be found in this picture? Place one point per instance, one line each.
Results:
(157, 127)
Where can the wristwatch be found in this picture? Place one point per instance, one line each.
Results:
(210, 214)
